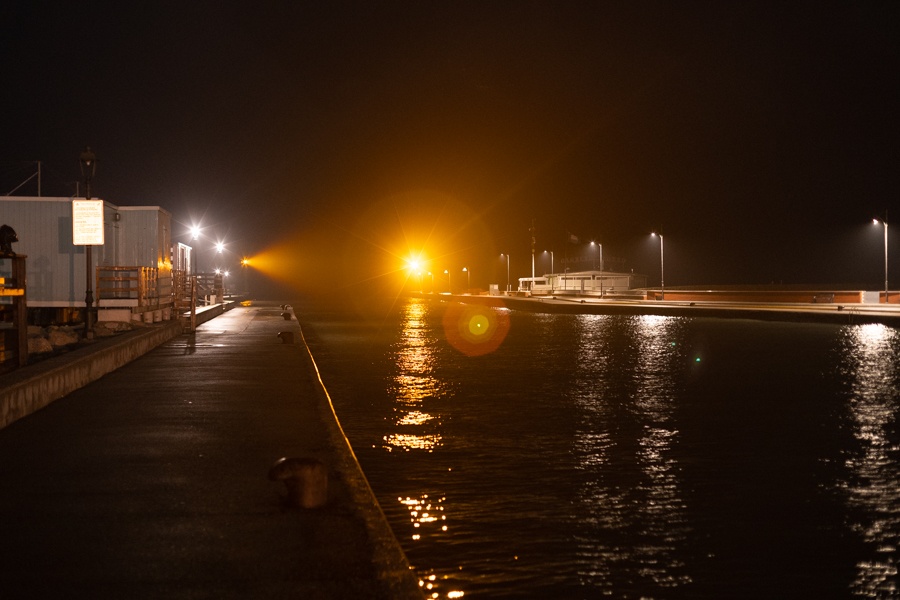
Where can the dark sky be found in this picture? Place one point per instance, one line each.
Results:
(762, 137)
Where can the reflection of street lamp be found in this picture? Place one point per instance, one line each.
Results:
(885, 223)
(447, 273)
(88, 170)
(507, 272)
(662, 269)
(468, 279)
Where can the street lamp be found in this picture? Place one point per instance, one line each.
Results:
(220, 247)
(447, 273)
(507, 272)
(885, 223)
(88, 170)
(600, 246)
(430, 274)
(195, 236)
(662, 268)
(468, 279)
(550, 252)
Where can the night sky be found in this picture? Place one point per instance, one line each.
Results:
(331, 139)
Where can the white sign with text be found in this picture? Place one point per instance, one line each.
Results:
(87, 222)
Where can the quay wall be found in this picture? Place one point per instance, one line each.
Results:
(778, 296)
(31, 388)
(828, 310)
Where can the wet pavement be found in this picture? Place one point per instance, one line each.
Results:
(152, 481)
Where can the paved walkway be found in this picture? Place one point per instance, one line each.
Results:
(152, 482)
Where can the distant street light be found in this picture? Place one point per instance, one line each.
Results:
(468, 279)
(662, 268)
(432, 281)
(220, 247)
(885, 223)
(447, 273)
(600, 246)
(195, 251)
(507, 272)
(550, 252)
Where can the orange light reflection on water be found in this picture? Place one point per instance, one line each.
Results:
(414, 385)
(417, 427)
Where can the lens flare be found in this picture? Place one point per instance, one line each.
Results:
(475, 330)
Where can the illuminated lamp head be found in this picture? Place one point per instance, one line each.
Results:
(475, 330)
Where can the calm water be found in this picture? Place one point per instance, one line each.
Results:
(558, 456)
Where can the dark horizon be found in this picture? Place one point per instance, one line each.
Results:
(336, 139)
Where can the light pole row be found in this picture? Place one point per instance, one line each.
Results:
(662, 262)
(468, 279)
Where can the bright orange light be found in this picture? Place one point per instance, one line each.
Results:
(415, 263)
(280, 262)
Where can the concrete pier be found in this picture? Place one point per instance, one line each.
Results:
(152, 481)
(754, 308)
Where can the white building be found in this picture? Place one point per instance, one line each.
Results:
(134, 275)
(581, 283)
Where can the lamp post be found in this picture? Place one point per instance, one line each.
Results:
(662, 268)
(885, 223)
(507, 272)
(220, 247)
(447, 273)
(468, 279)
(430, 274)
(88, 170)
(600, 246)
(195, 236)
(552, 279)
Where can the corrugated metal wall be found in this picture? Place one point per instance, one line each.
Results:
(141, 236)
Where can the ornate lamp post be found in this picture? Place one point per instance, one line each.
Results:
(88, 170)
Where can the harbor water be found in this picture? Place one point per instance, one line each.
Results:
(521, 455)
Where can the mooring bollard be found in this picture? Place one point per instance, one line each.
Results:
(286, 315)
(306, 480)
(287, 337)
